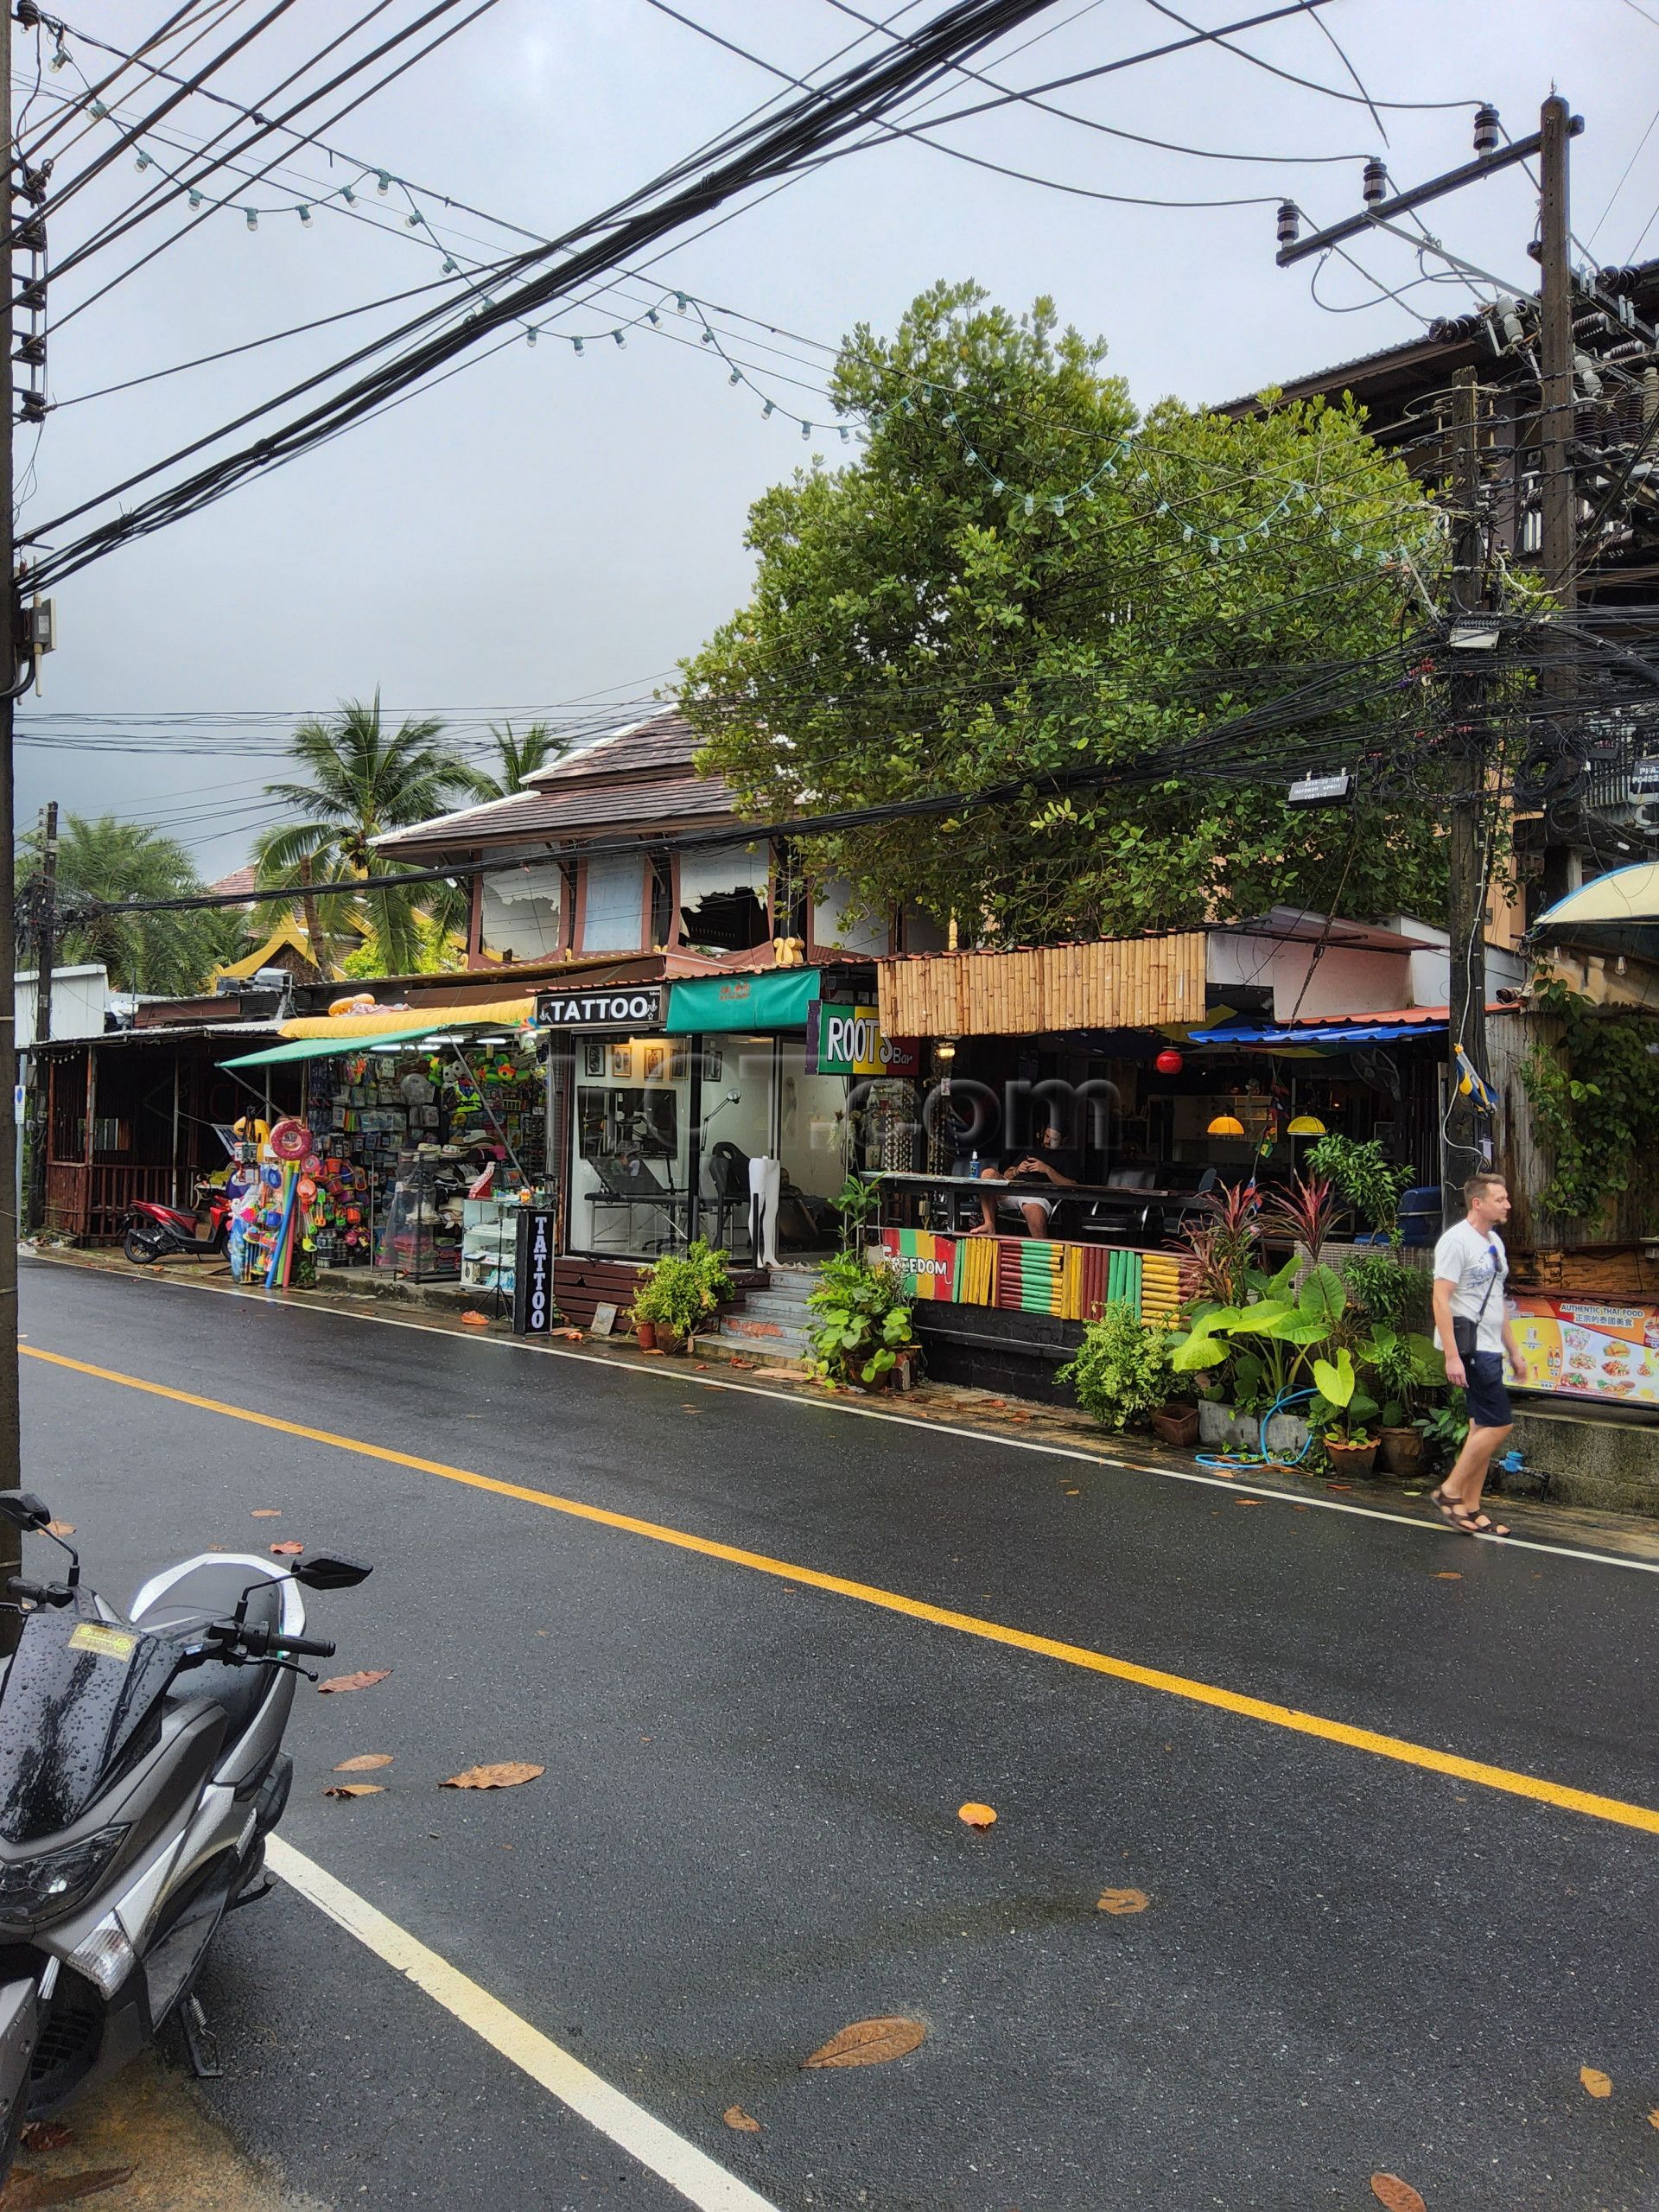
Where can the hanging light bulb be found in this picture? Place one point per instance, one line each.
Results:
(304, 214)
(680, 301)
(253, 218)
(195, 198)
(652, 317)
(708, 335)
(60, 60)
(845, 434)
(142, 162)
(1057, 505)
(806, 429)
(448, 269)
(576, 342)
(736, 376)
(382, 181)
(620, 339)
(767, 411)
(529, 336)
(348, 195)
(1030, 503)
(413, 219)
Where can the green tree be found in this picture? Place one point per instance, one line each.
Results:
(102, 863)
(1021, 579)
(361, 781)
(516, 759)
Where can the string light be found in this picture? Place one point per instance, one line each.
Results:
(305, 217)
(252, 214)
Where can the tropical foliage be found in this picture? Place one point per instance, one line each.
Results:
(860, 1320)
(354, 781)
(1121, 1372)
(1595, 1103)
(516, 758)
(952, 611)
(104, 862)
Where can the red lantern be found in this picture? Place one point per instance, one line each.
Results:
(1168, 1062)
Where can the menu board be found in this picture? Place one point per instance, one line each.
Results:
(1588, 1348)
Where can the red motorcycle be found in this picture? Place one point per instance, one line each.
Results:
(156, 1232)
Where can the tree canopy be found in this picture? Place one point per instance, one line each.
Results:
(101, 862)
(1144, 625)
(361, 780)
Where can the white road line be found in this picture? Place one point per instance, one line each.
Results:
(675, 1371)
(632, 2129)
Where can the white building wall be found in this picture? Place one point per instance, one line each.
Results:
(80, 996)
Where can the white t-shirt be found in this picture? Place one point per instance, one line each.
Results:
(1469, 1261)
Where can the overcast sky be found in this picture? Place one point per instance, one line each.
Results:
(545, 526)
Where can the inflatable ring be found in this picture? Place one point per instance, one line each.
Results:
(358, 1002)
(290, 1139)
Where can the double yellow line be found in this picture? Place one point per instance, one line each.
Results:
(1397, 1748)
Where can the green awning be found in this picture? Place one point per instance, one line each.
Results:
(318, 1048)
(778, 999)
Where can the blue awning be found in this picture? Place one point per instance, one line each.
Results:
(1321, 1033)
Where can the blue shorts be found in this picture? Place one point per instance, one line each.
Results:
(1489, 1402)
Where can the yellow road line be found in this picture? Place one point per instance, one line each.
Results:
(1399, 1748)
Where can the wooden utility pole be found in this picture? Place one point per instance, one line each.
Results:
(1556, 423)
(1466, 918)
(10, 1463)
(46, 944)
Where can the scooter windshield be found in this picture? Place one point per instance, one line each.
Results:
(77, 1690)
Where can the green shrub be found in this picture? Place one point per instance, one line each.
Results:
(1367, 1182)
(1121, 1372)
(862, 1320)
(1387, 1292)
(683, 1289)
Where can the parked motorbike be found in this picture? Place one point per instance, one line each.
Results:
(140, 1770)
(153, 1231)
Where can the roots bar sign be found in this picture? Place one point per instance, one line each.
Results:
(623, 1006)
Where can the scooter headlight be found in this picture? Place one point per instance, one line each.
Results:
(53, 1883)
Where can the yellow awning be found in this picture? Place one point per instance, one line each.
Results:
(399, 1020)
(1623, 897)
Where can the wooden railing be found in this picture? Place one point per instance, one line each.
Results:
(90, 1203)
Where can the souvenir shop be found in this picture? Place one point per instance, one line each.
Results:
(412, 1151)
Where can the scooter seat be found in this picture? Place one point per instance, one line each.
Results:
(214, 1592)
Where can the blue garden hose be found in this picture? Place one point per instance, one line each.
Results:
(1231, 1462)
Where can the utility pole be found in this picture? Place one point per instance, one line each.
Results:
(46, 938)
(1557, 514)
(1466, 918)
(10, 1457)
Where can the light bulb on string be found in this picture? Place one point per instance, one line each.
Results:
(576, 343)
(707, 336)
(529, 336)
(382, 181)
(348, 195)
(413, 219)
(195, 197)
(448, 269)
(806, 429)
(680, 302)
(620, 339)
(736, 376)
(846, 435)
(253, 218)
(99, 112)
(1031, 499)
(304, 214)
(60, 60)
(1057, 505)
(652, 317)
(766, 412)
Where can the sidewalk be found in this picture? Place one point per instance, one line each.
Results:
(1629, 1535)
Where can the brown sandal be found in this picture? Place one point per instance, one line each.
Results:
(1478, 1524)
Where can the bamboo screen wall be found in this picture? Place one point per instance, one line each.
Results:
(1117, 983)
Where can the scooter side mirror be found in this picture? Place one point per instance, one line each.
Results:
(23, 1510)
(327, 1571)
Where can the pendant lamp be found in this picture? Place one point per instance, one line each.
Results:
(1226, 1125)
(1306, 1125)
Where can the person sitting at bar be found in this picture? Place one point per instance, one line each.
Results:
(1052, 1163)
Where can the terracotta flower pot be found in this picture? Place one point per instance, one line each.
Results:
(1177, 1425)
(1352, 1459)
(668, 1338)
(646, 1331)
(1403, 1452)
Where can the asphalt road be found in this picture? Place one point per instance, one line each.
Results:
(746, 1836)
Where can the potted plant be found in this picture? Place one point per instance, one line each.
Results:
(1406, 1367)
(1371, 1185)
(1443, 1431)
(1268, 1341)
(1123, 1375)
(679, 1295)
(860, 1326)
(1340, 1409)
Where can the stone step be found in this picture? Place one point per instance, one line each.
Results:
(758, 1333)
(768, 1305)
(795, 1286)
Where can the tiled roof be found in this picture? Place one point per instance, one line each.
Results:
(566, 811)
(240, 883)
(666, 741)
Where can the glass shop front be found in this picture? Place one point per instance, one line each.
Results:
(679, 1128)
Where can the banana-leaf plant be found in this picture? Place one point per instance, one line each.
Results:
(1269, 1341)
(1340, 1403)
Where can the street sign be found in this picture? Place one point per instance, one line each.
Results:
(533, 1301)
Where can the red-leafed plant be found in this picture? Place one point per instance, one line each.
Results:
(1305, 1211)
(1222, 1247)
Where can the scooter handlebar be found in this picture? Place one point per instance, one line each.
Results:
(312, 1646)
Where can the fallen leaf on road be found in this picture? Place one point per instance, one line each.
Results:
(976, 1816)
(1597, 2084)
(1399, 2196)
(776, 1374)
(60, 1529)
(266, 1512)
(365, 1680)
(364, 1761)
(46, 2135)
(1299, 1509)
(1074, 1493)
(506, 1774)
(650, 1351)
(744, 2123)
(572, 1336)
(33, 2192)
(287, 1549)
(701, 1366)
(1339, 1485)
(1247, 1501)
(1123, 1901)
(869, 2042)
(354, 1789)
(1653, 2117)
(472, 1320)
(1448, 1574)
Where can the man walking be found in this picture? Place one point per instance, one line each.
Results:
(1473, 1331)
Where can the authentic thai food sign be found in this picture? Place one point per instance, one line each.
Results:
(849, 1040)
(620, 1006)
(1588, 1348)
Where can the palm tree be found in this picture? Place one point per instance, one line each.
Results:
(517, 760)
(362, 782)
(102, 863)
